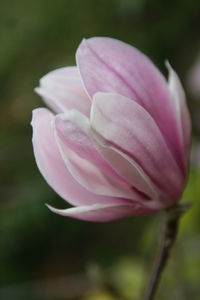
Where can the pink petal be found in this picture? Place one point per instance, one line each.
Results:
(52, 166)
(129, 128)
(182, 112)
(62, 90)
(109, 65)
(102, 212)
(126, 167)
(84, 161)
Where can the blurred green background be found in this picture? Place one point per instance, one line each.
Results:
(47, 257)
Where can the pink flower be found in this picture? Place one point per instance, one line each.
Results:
(117, 142)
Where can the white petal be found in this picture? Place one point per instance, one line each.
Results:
(62, 90)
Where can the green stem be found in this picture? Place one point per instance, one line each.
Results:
(168, 237)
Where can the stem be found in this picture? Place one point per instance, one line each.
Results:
(168, 236)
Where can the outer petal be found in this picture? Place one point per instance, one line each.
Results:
(52, 166)
(181, 109)
(129, 128)
(102, 212)
(84, 161)
(108, 65)
(62, 90)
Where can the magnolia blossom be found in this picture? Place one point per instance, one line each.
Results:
(117, 138)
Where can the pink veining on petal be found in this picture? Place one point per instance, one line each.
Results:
(129, 128)
(85, 162)
(108, 65)
(102, 212)
(183, 117)
(52, 166)
(118, 144)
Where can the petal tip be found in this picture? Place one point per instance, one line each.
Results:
(168, 66)
(54, 210)
(37, 90)
(35, 113)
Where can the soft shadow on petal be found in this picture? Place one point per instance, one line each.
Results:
(129, 128)
(62, 90)
(125, 166)
(102, 212)
(84, 161)
(109, 65)
(182, 112)
(52, 166)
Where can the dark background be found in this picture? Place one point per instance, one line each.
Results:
(47, 257)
